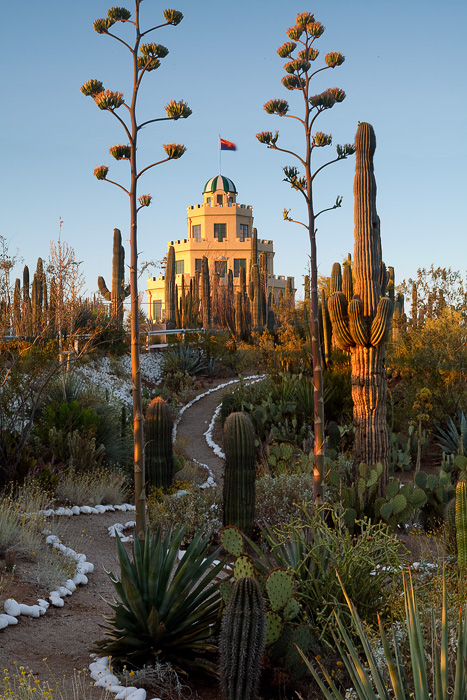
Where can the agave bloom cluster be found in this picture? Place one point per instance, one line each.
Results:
(121, 151)
(174, 150)
(173, 17)
(101, 172)
(280, 107)
(107, 99)
(92, 88)
(145, 200)
(177, 110)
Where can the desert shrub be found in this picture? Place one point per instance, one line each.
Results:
(316, 544)
(199, 509)
(159, 679)
(279, 498)
(99, 487)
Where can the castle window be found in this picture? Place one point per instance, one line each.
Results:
(196, 232)
(179, 267)
(230, 201)
(220, 267)
(220, 232)
(220, 200)
(208, 200)
(157, 310)
(244, 233)
(238, 263)
(198, 262)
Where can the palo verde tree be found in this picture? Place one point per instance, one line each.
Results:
(146, 58)
(299, 74)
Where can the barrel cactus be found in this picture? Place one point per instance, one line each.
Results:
(158, 454)
(239, 479)
(242, 641)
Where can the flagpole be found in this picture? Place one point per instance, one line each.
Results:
(219, 154)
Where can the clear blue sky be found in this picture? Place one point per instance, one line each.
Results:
(404, 73)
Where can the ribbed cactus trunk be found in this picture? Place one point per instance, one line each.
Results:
(158, 449)
(205, 293)
(242, 641)
(239, 479)
(461, 524)
(170, 288)
(256, 306)
(119, 292)
(238, 316)
(362, 325)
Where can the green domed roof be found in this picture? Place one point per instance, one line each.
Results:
(220, 183)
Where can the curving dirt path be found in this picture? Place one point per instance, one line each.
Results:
(64, 636)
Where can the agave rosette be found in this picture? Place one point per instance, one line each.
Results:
(168, 609)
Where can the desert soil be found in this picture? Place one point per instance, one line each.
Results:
(65, 635)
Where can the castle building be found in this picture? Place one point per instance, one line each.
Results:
(220, 229)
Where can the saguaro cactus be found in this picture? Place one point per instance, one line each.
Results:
(239, 479)
(170, 300)
(158, 451)
(242, 641)
(256, 305)
(205, 293)
(362, 325)
(461, 523)
(119, 291)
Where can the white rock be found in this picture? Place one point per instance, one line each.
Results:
(80, 557)
(93, 510)
(139, 694)
(107, 680)
(85, 567)
(30, 610)
(7, 620)
(86, 510)
(80, 579)
(100, 508)
(76, 510)
(60, 511)
(52, 539)
(63, 591)
(11, 607)
(55, 599)
(123, 694)
(130, 523)
(70, 585)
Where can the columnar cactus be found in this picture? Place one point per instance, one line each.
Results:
(326, 328)
(242, 641)
(347, 281)
(361, 326)
(238, 316)
(158, 451)
(205, 293)
(170, 299)
(119, 291)
(239, 479)
(256, 305)
(254, 249)
(17, 307)
(461, 523)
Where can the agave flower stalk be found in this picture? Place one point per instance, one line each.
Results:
(146, 57)
(299, 74)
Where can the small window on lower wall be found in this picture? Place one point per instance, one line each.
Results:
(157, 310)
(220, 232)
(220, 267)
(196, 232)
(179, 267)
(238, 263)
(198, 262)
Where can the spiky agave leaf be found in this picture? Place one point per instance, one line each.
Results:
(286, 49)
(174, 150)
(334, 58)
(167, 609)
(177, 110)
(92, 88)
(102, 26)
(121, 151)
(173, 16)
(279, 107)
(101, 172)
(107, 99)
(118, 14)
